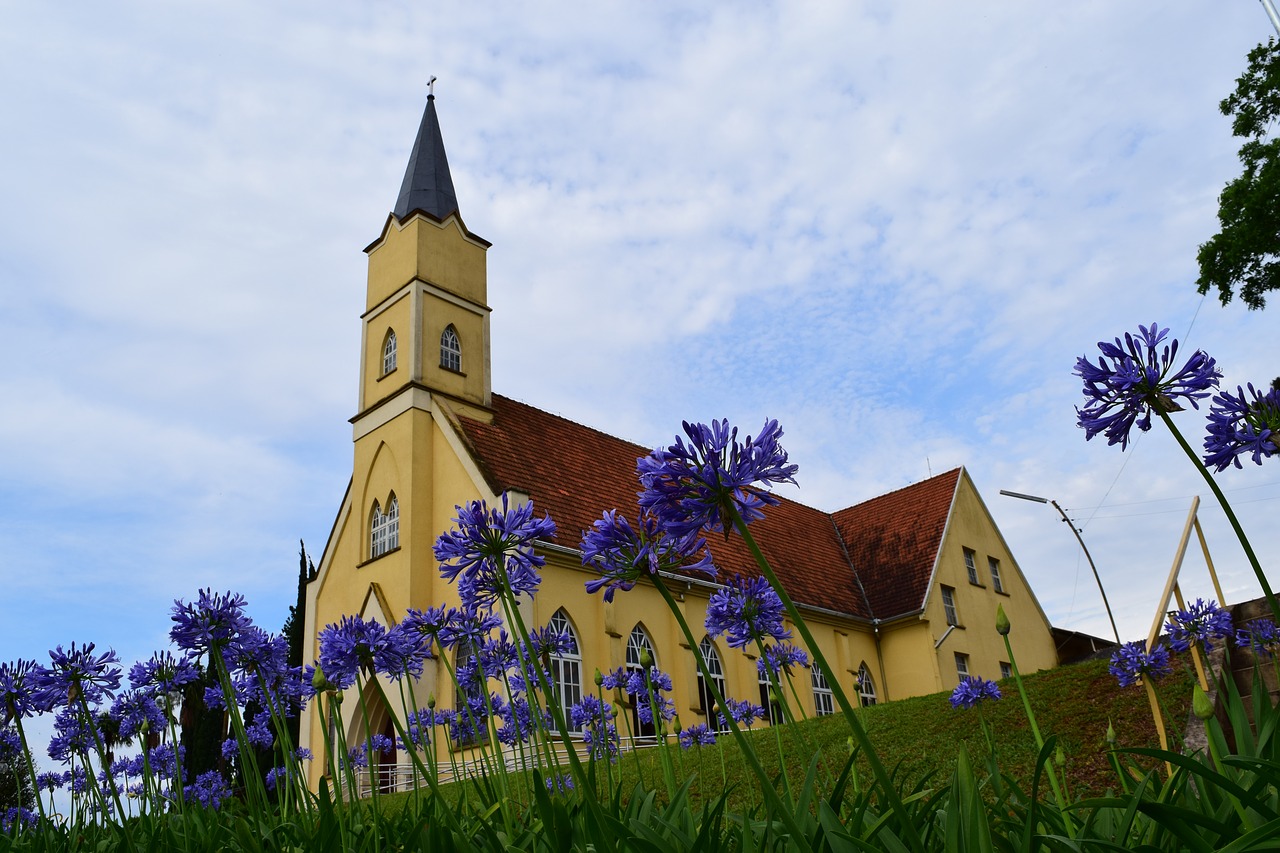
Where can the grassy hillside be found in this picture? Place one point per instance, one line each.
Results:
(922, 736)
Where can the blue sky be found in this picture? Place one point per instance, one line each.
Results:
(892, 226)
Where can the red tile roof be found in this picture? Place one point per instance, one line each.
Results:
(893, 541)
(575, 473)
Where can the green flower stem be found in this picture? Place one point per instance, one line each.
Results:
(660, 730)
(819, 660)
(783, 810)
(553, 703)
(31, 765)
(1051, 771)
(450, 814)
(1231, 516)
(775, 691)
(87, 716)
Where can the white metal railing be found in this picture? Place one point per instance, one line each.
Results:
(403, 775)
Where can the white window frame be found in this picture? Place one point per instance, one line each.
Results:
(384, 528)
(389, 352)
(866, 687)
(712, 658)
(566, 668)
(637, 642)
(1006, 669)
(450, 350)
(971, 565)
(949, 606)
(824, 699)
(962, 665)
(994, 565)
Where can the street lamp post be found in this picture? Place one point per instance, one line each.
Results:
(1083, 547)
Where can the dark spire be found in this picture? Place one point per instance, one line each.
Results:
(427, 185)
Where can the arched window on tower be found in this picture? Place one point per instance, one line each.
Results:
(637, 644)
(866, 687)
(389, 352)
(709, 707)
(450, 350)
(566, 666)
(384, 528)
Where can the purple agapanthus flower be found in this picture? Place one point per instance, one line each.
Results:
(136, 711)
(742, 711)
(615, 679)
(972, 692)
(356, 646)
(647, 687)
(559, 784)
(17, 819)
(492, 550)
(624, 553)
(209, 790)
(697, 735)
(1240, 425)
(162, 674)
(1202, 622)
(214, 621)
(1134, 379)
(781, 658)
(701, 485)
(18, 694)
(748, 610)
(594, 719)
(1132, 661)
(77, 673)
(1261, 636)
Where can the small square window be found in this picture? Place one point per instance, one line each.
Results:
(962, 666)
(995, 574)
(971, 566)
(1006, 671)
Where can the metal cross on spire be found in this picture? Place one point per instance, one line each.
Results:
(431, 86)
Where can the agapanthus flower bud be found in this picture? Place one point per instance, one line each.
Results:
(599, 677)
(318, 681)
(1201, 704)
(1111, 733)
(646, 658)
(1002, 621)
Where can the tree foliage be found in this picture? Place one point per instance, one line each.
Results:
(1245, 253)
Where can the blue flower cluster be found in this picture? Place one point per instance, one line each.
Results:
(973, 691)
(624, 553)
(1134, 379)
(1261, 636)
(748, 611)
(491, 550)
(1202, 623)
(1132, 661)
(703, 484)
(1239, 425)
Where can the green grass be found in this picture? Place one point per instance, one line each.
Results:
(920, 738)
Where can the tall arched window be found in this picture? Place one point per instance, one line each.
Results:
(637, 644)
(709, 707)
(389, 353)
(384, 528)
(450, 350)
(824, 701)
(566, 667)
(866, 687)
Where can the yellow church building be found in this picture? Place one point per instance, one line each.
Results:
(900, 591)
